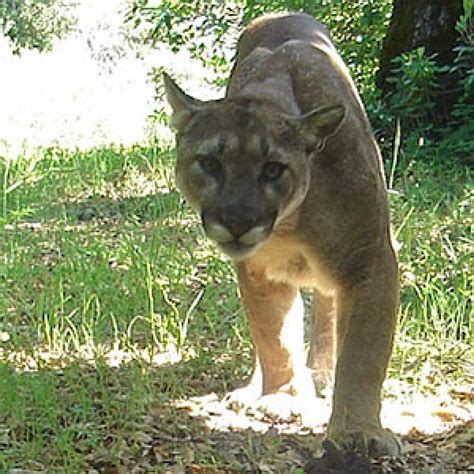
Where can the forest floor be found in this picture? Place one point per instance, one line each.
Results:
(121, 329)
(81, 417)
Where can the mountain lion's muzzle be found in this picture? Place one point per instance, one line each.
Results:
(237, 230)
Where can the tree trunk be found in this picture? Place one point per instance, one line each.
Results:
(431, 24)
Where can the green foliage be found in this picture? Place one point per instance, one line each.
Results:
(432, 218)
(415, 80)
(458, 137)
(34, 24)
(55, 424)
(209, 29)
(200, 26)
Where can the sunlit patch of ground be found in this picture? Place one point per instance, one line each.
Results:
(428, 414)
(42, 357)
(437, 430)
(220, 414)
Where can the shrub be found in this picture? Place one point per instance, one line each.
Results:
(34, 24)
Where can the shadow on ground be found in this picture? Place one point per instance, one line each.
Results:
(138, 418)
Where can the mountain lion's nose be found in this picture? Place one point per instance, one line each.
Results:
(238, 220)
(238, 227)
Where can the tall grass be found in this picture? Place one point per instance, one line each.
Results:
(98, 248)
(434, 219)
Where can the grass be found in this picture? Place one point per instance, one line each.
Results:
(99, 247)
(432, 220)
(113, 303)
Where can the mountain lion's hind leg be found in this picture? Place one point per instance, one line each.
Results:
(322, 351)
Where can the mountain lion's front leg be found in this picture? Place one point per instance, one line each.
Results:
(368, 309)
(275, 313)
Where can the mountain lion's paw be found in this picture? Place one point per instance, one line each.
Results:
(373, 443)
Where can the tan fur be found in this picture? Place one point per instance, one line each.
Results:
(288, 180)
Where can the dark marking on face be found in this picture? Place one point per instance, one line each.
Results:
(288, 136)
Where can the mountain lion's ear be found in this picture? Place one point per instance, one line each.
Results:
(320, 124)
(183, 105)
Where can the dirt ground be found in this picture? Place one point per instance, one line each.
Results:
(210, 435)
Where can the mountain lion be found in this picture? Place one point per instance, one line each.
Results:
(287, 178)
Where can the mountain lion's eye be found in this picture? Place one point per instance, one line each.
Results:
(273, 170)
(210, 165)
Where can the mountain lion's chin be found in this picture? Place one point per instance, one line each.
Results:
(237, 251)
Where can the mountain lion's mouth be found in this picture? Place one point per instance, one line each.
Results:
(237, 251)
(237, 247)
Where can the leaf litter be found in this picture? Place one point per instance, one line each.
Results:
(209, 434)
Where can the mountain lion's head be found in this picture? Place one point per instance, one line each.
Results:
(244, 169)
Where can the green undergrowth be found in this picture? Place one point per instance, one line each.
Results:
(99, 249)
(432, 222)
(112, 301)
